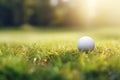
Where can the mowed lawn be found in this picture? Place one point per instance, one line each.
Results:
(53, 55)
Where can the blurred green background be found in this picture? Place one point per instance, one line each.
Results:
(37, 12)
(60, 13)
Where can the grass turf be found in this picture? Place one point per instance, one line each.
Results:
(53, 55)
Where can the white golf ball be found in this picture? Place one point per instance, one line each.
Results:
(86, 44)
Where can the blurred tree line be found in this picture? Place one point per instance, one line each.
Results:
(38, 13)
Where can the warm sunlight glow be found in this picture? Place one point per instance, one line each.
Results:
(90, 12)
(92, 2)
(94, 12)
(54, 2)
(65, 0)
(91, 8)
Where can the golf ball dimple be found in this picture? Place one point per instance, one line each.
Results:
(86, 43)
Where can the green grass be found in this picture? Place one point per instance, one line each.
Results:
(53, 55)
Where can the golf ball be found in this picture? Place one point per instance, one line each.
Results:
(86, 43)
